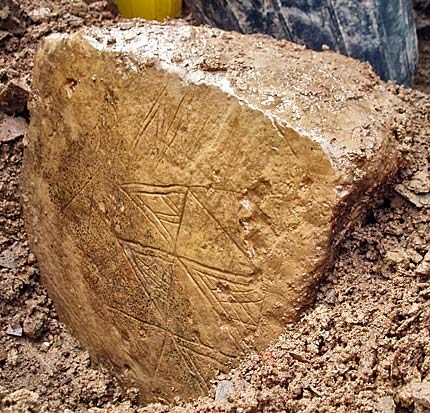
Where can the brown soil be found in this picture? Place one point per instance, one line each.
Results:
(364, 345)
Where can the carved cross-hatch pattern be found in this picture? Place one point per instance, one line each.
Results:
(167, 208)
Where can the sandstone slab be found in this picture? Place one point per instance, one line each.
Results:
(184, 189)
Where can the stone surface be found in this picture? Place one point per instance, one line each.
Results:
(12, 128)
(16, 332)
(185, 188)
(424, 266)
(386, 405)
(380, 32)
(223, 390)
(421, 394)
(14, 96)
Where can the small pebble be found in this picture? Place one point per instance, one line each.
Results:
(223, 390)
(15, 332)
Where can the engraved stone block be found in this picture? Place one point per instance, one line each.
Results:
(185, 188)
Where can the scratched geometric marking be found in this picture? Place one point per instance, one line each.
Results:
(168, 208)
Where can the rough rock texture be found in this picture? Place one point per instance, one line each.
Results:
(14, 96)
(184, 189)
(422, 22)
(381, 32)
(12, 18)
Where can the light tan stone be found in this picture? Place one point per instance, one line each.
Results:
(185, 188)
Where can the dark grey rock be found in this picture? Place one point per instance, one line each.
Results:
(381, 32)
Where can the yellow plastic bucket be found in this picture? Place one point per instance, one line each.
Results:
(150, 9)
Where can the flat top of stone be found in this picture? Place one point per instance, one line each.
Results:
(314, 92)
